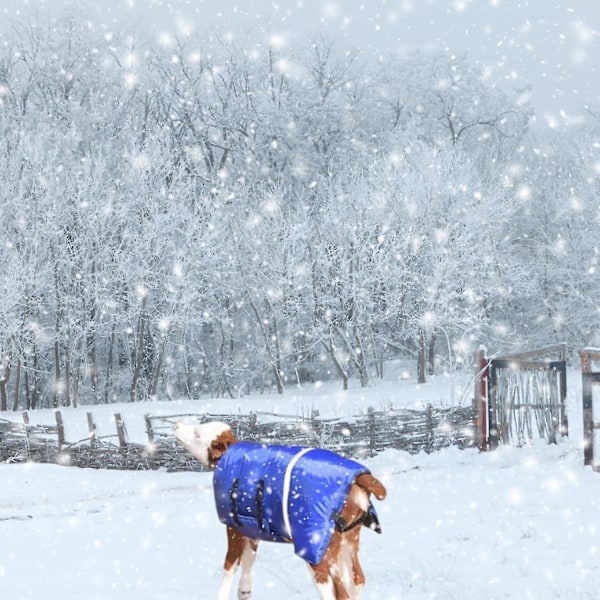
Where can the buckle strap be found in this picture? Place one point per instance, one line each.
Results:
(259, 498)
(233, 496)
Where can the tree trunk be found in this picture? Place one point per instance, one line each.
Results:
(278, 379)
(27, 390)
(277, 366)
(15, 406)
(75, 381)
(57, 389)
(35, 390)
(67, 377)
(273, 353)
(431, 354)
(90, 341)
(356, 353)
(159, 363)
(343, 373)
(109, 364)
(226, 348)
(421, 362)
(3, 386)
(359, 358)
(92, 362)
(57, 374)
(139, 358)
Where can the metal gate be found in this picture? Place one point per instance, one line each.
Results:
(523, 398)
(590, 384)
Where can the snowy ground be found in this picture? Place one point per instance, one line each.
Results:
(517, 523)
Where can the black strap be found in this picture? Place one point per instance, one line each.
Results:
(233, 494)
(368, 519)
(371, 521)
(259, 498)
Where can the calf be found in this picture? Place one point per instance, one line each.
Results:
(313, 498)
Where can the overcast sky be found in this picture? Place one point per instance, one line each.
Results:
(554, 45)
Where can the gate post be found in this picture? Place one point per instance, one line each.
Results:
(492, 403)
(588, 421)
(589, 377)
(480, 399)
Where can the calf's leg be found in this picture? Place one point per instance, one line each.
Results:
(238, 546)
(354, 577)
(246, 562)
(327, 573)
(339, 575)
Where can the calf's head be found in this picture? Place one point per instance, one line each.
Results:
(207, 442)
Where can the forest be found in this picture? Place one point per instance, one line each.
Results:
(214, 214)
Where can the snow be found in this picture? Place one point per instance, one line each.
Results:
(515, 523)
(397, 390)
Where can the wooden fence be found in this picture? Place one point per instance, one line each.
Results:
(363, 435)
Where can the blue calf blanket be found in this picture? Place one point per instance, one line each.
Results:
(285, 493)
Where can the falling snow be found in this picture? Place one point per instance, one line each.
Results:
(215, 199)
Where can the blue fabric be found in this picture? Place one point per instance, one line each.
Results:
(248, 485)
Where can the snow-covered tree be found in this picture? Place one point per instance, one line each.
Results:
(209, 214)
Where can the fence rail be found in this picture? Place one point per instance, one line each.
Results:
(358, 436)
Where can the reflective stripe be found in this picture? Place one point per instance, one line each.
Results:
(286, 488)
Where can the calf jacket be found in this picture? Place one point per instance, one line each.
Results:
(285, 493)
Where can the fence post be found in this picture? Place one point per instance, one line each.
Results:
(315, 426)
(26, 430)
(429, 428)
(61, 429)
(149, 430)
(91, 429)
(121, 431)
(252, 422)
(150, 450)
(371, 429)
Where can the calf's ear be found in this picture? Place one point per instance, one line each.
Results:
(219, 446)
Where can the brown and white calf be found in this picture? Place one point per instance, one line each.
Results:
(335, 567)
